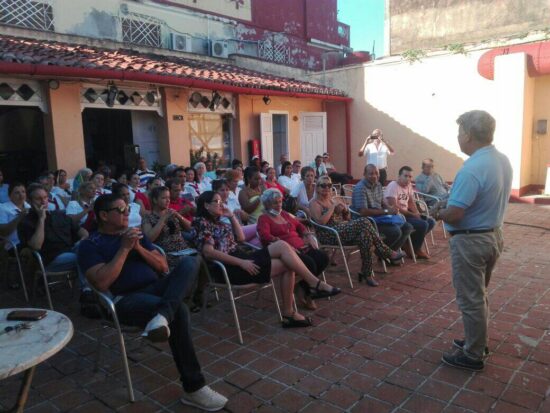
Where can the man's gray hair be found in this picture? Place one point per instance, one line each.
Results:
(479, 124)
(269, 196)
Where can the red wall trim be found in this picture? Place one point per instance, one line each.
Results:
(77, 72)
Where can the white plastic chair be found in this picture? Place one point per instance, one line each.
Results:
(63, 276)
(348, 189)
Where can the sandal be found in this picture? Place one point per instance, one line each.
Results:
(291, 322)
(371, 282)
(315, 293)
(397, 259)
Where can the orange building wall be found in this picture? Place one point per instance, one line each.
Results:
(540, 148)
(247, 125)
(174, 142)
(63, 126)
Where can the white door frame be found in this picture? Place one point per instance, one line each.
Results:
(287, 143)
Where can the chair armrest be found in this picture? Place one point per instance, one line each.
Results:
(324, 227)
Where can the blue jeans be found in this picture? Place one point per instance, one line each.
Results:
(67, 261)
(421, 228)
(165, 296)
(395, 235)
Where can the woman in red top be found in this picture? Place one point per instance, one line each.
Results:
(271, 182)
(275, 224)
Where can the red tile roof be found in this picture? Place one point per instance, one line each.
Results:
(168, 69)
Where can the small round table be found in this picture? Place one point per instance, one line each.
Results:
(23, 350)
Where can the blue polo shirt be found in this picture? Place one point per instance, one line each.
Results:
(482, 188)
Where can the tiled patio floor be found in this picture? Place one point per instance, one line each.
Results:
(372, 349)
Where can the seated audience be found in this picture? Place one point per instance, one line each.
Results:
(276, 224)
(264, 166)
(191, 185)
(203, 182)
(285, 178)
(83, 175)
(151, 184)
(334, 213)
(305, 190)
(232, 178)
(106, 172)
(319, 167)
(271, 182)
(137, 192)
(431, 183)
(55, 203)
(62, 188)
(4, 197)
(122, 261)
(368, 200)
(337, 177)
(82, 210)
(11, 214)
(220, 186)
(236, 163)
(122, 178)
(136, 212)
(181, 205)
(399, 194)
(255, 161)
(296, 176)
(210, 171)
(218, 241)
(143, 172)
(55, 236)
(99, 180)
(282, 159)
(249, 197)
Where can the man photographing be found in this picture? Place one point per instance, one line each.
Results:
(376, 150)
(473, 216)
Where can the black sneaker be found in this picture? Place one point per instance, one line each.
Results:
(461, 361)
(460, 344)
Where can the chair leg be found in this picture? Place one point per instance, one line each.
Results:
(347, 267)
(444, 230)
(277, 301)
(98, 349)
(409, 240)
(426, 245)
(433, 239)
(47, 288)
(125, 360)
(235, 315)
(384, 265)
(21, 275)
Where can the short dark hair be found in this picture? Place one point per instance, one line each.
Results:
(155, 192)
(235, 163)
(117, 188)
(217, 184)
(305, 170)
(205, 198)
(32, 188)
(178, 169)
(173, 181)
(13, 186)
(103, 203)
(151, 180)
(284, 165)
(405, 168)
(249, 172)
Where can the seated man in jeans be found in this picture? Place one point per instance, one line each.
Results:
(122, 261)
(399, 194)
(368, 200)
(54, 235)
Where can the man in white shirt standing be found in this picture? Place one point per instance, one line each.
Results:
(376, 150)
(296, 176)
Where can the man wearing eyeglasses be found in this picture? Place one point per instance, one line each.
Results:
(124, 262)
(399, 194)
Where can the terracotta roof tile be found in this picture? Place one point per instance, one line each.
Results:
(39, 52)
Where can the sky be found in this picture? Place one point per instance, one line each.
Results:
(366, 18)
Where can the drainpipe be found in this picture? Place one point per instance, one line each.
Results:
(348, 137)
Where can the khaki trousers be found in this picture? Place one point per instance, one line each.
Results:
(473, 258)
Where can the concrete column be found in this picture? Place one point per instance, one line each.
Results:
(514, 117)
(174, 143)
(64, 131)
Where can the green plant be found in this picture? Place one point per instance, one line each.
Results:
(456, 48)
(157, 167)
(413, 55)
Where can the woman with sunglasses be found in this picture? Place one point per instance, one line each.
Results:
(334, 213)
(219, 241)
(249, 197)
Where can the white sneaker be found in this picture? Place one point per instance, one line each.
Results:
(157, 329)
(205, 398)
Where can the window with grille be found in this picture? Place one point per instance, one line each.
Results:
(142, 32)
(274, 51)
(25, 13)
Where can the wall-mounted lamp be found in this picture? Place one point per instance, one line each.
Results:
(111, 96)
(267, 100)
(215, 102)
(53, 84)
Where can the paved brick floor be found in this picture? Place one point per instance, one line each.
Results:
(372, 350)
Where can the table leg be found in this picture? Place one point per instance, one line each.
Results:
(23, 392)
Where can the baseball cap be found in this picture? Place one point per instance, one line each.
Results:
(255, 157)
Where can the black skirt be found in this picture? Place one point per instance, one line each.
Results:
(237, 275)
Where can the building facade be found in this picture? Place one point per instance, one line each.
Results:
(88, 82)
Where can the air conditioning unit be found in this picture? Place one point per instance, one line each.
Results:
(181, 42)
(218, 48)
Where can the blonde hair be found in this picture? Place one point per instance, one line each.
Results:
(323, 179)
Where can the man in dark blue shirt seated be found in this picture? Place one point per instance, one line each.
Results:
(122, 261)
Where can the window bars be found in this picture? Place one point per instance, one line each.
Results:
(144, 32)
(275, 52)
(25, 13)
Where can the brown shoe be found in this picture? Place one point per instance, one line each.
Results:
(408, 250)
(421, 255)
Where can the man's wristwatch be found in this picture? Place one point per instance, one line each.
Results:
(386, 212)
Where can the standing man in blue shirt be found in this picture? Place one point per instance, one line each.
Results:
(473, 216)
